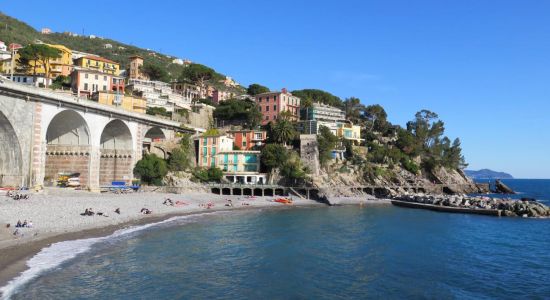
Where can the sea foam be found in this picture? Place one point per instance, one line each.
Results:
(58, 253)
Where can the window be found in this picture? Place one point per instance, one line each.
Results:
(267, 118)
(260, 99)
(258, 135)
(275, 98)
(244, 144)
(104, 78)
(205, 141)
(104, 88)
(85, 86)
(96, 77)
(274, 107)
(86, 75)
(24, 79)
(267, 108)
(204, 151)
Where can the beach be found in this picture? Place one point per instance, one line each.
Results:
(56, 215)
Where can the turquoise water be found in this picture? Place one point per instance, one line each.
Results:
(323, 253)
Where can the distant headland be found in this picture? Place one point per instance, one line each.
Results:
(487, 174)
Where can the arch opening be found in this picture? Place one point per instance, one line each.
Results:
(67, 150)
(116, 162)
(152, 140)
(11, 162)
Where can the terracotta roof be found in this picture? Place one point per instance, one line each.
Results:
(99, 58)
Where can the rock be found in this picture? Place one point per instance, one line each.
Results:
(501, 188)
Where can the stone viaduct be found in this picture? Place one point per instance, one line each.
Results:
(43, 133)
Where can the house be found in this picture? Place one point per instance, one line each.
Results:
(248, 139)
(238, 166)
(108, 46)
(271, 104)
(127, 102)
(85, 82)
(4, 53)
(27, 79)
(136, 62)
(189, 91)
(321, 115)
(177, 61)
(98, 63)
(219, 96)
(58, 66)
(46, 31)
(159, 94)
(351, 132)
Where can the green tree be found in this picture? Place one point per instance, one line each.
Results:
(308, 96)
(283, 131)
(244, 111)
(326, 142)
(61, 82)
(427, 128)
(179, 159)
(377, 117)
(255, 89)
(161, 111)
(197, 74)
(353, 109)
(151, 169)
(274, 156)
(37, 55)
(155, 72)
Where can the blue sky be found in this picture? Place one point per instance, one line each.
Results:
(483, 66)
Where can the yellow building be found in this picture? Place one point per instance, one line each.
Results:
(130, 103)
(98, 63)
(59, 66)
(349, 132)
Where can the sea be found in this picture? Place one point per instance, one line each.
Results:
(348, 252)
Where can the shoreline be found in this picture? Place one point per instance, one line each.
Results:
(15, 253)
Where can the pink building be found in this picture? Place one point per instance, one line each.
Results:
(273, 103)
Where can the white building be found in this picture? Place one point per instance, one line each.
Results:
(4, 53)
(31, 80)
(177, 61)
(321, 115)
(108, 46)
(46, 31)
(159, 94)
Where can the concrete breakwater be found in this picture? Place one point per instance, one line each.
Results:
(476, 205)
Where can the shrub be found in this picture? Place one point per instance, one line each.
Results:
(151, 169)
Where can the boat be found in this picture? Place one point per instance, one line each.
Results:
(283, 200)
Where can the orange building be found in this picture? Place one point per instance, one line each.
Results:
(248, 139)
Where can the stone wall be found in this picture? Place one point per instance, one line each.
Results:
(67, 159)
(115, 165)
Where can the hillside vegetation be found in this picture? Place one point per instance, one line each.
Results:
(16, 31)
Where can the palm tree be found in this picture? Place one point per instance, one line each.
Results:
(283, 131)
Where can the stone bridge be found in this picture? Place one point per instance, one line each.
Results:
(43, 133)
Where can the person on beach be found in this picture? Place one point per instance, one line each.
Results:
(18, 224)
(30, 224)
(117, 210)
(24, 224)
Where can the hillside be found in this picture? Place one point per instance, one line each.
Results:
(16, 31)
(487, 174)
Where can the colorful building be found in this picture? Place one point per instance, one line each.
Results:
(209, 146)
(248, 139)
(271, 104)
(58, 66)
(241, 167)
(134, 72)
(85, 82)
(130, 103)
(350, 132)
(238, 166)
(99, 64)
